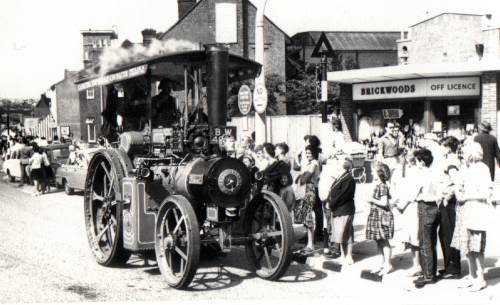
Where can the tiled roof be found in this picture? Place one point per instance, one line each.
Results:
(345, 41)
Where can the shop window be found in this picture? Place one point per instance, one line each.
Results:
(90, 93)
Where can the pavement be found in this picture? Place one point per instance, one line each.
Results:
(44, 257)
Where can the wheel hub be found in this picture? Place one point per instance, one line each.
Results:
(169, 242)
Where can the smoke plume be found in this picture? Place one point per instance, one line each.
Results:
(116, 56)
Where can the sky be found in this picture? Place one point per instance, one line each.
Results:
(41, 38)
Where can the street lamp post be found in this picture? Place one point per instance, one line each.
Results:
(324, 86)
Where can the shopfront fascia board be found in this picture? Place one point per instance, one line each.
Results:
(418, 88)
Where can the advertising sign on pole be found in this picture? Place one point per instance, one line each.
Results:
(260, 98)
(245, 99)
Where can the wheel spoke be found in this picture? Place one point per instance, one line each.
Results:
(104, 185)
(182, 254)
(101, 234)
(268, 260)
(167, 229)
(175, 215)
(112, 181)
(178, 225)
(96, 196)
(275, 233)
(112, 234)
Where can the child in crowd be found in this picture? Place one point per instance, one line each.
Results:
(380, 225)
(286, 190)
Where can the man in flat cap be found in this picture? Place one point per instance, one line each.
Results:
(490, 147)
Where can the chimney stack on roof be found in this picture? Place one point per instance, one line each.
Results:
(184, 6)
(147, 36)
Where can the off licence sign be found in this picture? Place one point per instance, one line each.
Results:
(245, 99)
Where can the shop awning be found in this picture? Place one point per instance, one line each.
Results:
(413, 71)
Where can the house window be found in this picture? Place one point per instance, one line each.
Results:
(86, 55)
(90, 93)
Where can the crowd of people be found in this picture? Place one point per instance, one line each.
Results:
(35, 164)
(439, 188)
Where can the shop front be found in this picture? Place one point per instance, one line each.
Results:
(445, 99)
(421, 105)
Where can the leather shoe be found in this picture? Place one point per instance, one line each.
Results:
(422, 281)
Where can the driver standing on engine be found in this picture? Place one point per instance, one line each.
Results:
(164, 109)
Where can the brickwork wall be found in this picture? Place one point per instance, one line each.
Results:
(68, 106)
(452, 37)
(490, 100)
(199, 27)
(90, 108)
(347, 111)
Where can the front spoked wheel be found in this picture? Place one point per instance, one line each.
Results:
(103, 214)
(269, 226)
(177, 241)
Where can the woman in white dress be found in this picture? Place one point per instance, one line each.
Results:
(473, 189)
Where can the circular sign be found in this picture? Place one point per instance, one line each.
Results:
(245, 99)
(260, 98)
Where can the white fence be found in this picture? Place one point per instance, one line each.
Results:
(290, 129)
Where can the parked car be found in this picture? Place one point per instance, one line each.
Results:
(12, 167)
(57, 155)
(71, 175)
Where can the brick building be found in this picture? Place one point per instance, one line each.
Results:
(447, 79)
(365, 49)
(198, 24)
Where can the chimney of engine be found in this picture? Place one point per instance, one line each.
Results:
(147, 36)
(218, 58)
(184, 6)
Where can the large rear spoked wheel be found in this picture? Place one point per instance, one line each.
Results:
(103, 213)
(177, 241)
(269, 226)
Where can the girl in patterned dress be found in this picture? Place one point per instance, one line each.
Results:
(380, 225)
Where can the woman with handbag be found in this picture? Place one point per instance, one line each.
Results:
(341, 204)
(306, 191)
(473, 192)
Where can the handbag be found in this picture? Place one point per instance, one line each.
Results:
(386, 218)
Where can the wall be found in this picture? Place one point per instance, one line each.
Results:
(490, 99)
(90, 108)
(452, 37)
(68, 106)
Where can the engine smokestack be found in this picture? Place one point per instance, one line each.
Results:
(218, 59)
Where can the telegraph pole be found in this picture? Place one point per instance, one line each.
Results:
(260, 91)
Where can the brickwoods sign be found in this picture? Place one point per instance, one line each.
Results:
(431, 87)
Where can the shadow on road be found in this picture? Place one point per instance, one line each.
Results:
(301, 274)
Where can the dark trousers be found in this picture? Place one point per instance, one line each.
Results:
(428, 220)
(447, 217)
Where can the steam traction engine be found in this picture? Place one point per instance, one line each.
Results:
(173, 188)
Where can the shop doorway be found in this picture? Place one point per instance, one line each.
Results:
(372, 116)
